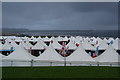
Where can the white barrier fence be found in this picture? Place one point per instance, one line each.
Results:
(48, 63)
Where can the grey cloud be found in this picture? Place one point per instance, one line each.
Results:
(56, 16)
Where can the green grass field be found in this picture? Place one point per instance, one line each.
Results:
(61, 72)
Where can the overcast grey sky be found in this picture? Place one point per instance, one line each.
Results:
(60, 16)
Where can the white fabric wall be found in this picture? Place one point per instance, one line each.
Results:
(16, 63)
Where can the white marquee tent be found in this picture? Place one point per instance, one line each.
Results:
(110, 55)
(48, 56)
(20, 57)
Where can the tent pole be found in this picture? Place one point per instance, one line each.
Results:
(111, 65)
(64, 60)
(90, 64)
(70, 64)
(50, 63)
(11, 63)
(31, 62)
(97, 63)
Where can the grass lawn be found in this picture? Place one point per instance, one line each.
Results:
(61, 72)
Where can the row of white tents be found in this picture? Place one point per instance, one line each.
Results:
(59, 38)
(50, 57)
(86, 42)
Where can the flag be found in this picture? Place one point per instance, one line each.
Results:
(30, 48)
(77, 44)
(111, 42)
(64, 49)
(51, 41)
(96, 42)
(96, 51)
(94, 55)
(90, 53)
(11, 48)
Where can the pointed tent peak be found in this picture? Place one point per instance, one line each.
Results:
(14, 44)
(18, 39)
(80, 55)
(50, 45)
(49, 55)
(56, 45)
(6, 46)
(39, 38)
(105, 39)
(99, 39)
(59, 38)
(65, 38)
(110, 55)
(111, 38)
(40, 45)
(116, 44)
(32, 37)
(28, 45)
(21, 43)
(103, 45)
(8, 40)
(77, 40)
(46, 37)
(19, 54)
(24, 45)
(87, 38)
(117, 38)
(87, 46)
(24, 38)
(77, 36)
(52, 38)
(71, 45)
(27, 39)
(94, 37)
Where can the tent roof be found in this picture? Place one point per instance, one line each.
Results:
(116, 44)
(105, 39)
(103, 45)
(19, 54)
(56, 45)
(6, 46)
(65, 38)
(59, 38)
(79, 55)
(25, 45)
(49, 55)
(13, 44)
(71, 45)
(39, 45)
(110, 55)
(87, 46)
